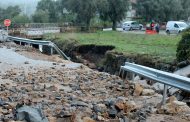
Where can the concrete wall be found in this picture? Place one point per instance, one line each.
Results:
(41, 31)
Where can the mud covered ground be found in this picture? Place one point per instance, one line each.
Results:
(71, 92)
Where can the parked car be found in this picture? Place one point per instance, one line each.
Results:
(175, 27)
(132, 25)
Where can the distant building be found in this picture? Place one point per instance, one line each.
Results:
(131, 12)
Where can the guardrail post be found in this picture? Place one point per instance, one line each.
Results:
(164, 94)
(51, 50)
(132, 76)
(123, 73)
(120, 71)
(40, 48)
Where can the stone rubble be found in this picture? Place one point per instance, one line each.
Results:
(81, 95)
(148, 92)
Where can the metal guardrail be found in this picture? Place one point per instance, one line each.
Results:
(38, 42)
(59, 51)
(168, 79)
(29, 41)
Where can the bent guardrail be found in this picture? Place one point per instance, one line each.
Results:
(59, 51)
(165, 78)
(38, 42)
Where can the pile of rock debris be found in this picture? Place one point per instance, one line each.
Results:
(57, 93)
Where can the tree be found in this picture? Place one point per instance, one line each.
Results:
(84, 9)
(41, 16)
(63, 14)
(9, 13)
(147, 9)
(159, 10)
(186, 8)
(115, 10)
(50, 7)
(12, 11)
(20, 19)
(1, 14)
(61, 6)
(103, 9)
(172, 10)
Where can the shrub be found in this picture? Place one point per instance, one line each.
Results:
(183, 49)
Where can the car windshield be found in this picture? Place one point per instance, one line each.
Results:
(135, 23)
(184, 25)
(125, 24)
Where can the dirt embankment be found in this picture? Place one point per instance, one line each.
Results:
(103, 58)
(66, 92)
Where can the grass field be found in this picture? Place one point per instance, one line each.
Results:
(161, 46)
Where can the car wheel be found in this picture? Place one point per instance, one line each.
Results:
(140, 28)
(123, 28)
(131, 29)
(168, 32)
(179, 32)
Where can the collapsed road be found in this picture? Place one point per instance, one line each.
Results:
(40, 88)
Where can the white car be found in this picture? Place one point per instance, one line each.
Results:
(175, 27)
(132, 25)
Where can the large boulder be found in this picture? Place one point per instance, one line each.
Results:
(173, 106)
(30, 114)
(138, 90)
(130, 106)
(148, 92)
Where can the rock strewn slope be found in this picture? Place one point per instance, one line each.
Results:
(79, 94)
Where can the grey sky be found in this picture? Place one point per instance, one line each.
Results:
(28, 6)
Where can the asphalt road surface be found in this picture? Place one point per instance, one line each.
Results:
(184, 71)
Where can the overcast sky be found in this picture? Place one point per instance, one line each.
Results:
(28, 6)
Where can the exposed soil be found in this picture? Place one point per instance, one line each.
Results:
(104, 59)
(40, 56)
(70, 92)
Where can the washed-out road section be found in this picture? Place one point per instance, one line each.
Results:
(71, 92)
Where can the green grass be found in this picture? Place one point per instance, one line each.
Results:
(160, 46)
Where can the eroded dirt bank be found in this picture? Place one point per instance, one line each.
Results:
(103, 58)
(68, 92)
